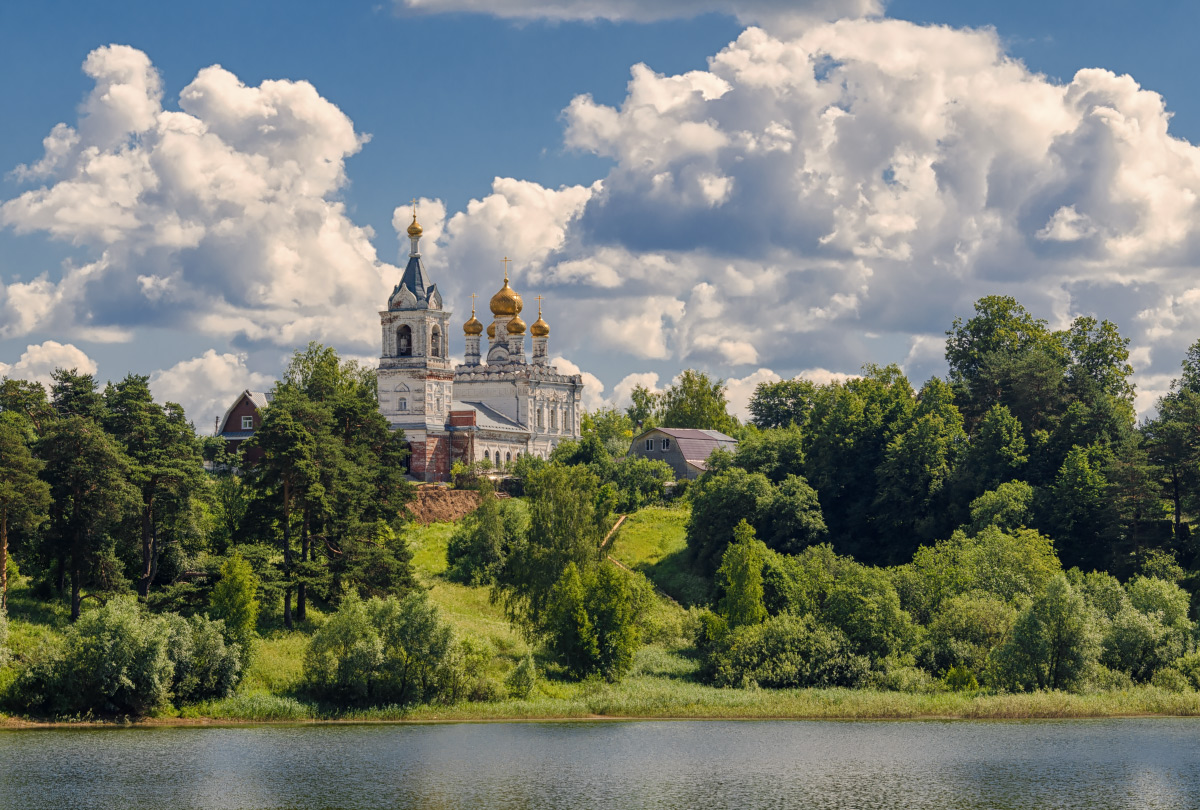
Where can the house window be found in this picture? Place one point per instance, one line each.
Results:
(247, 423)
(649, 445)
(403, 404)
(404, 341)
(666, 444)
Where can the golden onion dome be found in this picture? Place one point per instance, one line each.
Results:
(516, 326)
(540, 328)
(492, 330)
(506, 303)
(473, 326)
(414, 230)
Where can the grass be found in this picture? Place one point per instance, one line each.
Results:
(653, 541)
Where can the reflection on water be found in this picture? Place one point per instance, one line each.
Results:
(962, 765)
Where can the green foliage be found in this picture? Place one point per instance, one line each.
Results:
(1054, 643)
(965, 631)
(612, 427)
(1007, 507)
(523, 679)
(789, 517)
(1160, 563)
(204, 665)
(775, 452)
(1159, 596)
(719, 502)
(740, 577)
(960, 679)
(641, 482)
(695, 401)
(234, 599)
(781, 404)
(591, 622)
(389, 651)
(24, 497)
(4, 651)
(568, 517)
(113, 661)
(479, 548)
(786, 652)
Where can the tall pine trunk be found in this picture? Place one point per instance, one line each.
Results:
(287, 557)
(301, 587)
(3, 559)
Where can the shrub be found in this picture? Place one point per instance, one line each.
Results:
(965, 631)
(234, 599)
(741, 578)
(523, 678)
(960, 679)
(204, 665)
(592, 622)
(113, 661)
(478, 549)
(641, 481)
(787, 651)
(1172, 680)
(390, 651)
(1189, 666)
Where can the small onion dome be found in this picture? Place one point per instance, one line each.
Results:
(414, 230)
(492, 330)
(473, 326)
(516, 326)
(506, 303)
(540, 328)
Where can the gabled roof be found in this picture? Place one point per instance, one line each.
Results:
(695, 445)
(259, 399)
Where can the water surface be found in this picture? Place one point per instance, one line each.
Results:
(1097, 764)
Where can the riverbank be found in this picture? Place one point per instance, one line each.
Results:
(646, 700)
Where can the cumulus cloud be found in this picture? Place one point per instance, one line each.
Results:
(220, 216)
(593, 390)
(748, 11)
(810, 195)
(37, 362)
(207, 385)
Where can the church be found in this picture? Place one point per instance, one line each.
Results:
(495, 406)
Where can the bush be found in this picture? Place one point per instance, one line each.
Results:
(592, 622)
(391, 651)
(234, 599)
(204, 665)
(1189, 666)
(1172, 680)
(523, 678)
(641, 481)
(787, 651)
(113, 661)
(478, 549)
(965, 631)
(960, 679)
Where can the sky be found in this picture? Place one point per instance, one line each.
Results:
(758, 189)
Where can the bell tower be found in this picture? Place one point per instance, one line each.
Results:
(415, 379)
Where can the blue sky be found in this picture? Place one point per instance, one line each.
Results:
(731, 269)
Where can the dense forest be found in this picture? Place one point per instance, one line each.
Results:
(1010, 528)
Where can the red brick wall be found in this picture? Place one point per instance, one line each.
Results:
(430, 459)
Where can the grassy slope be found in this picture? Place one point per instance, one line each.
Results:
(661, 685)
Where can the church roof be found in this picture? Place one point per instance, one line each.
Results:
(490, 418)
(417, 282)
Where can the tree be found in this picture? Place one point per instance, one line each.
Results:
(24, 498)
(1053, 644)
(641, 481)
(26, 399)
(1076, 508)
(572, 637)
(612, 427)
(644, 404)
(789, 518)
(1099, 359)
(740, 576)
(695, 401)
(90, 492)
(75, 394)
(719, 502)
(1172, 441)
(774, 452)
(566, 524)
(1009, 506)
(164, 462)
(234, 599)
(782, 404)
(996, 454)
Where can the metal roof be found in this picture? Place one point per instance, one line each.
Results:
(488, 417)
(260, 400)
(695, 445)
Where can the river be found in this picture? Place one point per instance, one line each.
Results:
(1093, 764)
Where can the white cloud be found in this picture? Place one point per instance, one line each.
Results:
(761, 11)
(37, 362)
(221, 216)
(207, 385)
(738, 391)
(622, 391)
(866, 176)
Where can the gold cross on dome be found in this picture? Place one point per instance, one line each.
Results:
(472, 305)
(539, 299)
(414, 205)
(506, 260)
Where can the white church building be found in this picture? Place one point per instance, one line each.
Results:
(497, 405)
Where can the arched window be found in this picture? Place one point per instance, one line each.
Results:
(554, 418)
(435, 343)
(403, 406)
(486, 457)
(404, 341)
(507, 457)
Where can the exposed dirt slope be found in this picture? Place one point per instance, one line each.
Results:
(437, 504)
